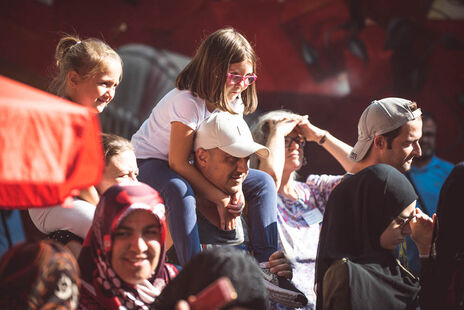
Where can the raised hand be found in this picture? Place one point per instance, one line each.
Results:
(421, 231)
(309, 131)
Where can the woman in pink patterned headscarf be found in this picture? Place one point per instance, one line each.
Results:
(123, 258)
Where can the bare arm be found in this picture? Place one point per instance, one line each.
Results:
(337, 148)
(274, 164)
(179, 150)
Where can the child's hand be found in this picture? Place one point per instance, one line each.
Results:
(237, 204)
(226, 219)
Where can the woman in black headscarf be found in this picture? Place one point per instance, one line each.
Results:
(367, 216)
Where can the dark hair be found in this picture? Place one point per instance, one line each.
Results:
(85, 57)
(206, 74)
(426, 116)
(113, 145)
(206, 267)
(391, 135)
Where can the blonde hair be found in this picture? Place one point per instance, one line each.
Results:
(206, 74)
(260, 129)
(114, 145)
(85, 57)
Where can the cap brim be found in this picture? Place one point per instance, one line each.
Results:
(242, 150)
(360, 150)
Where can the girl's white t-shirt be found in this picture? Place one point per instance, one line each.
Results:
(77, 219)
(153, 137)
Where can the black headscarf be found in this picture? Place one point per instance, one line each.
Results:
(357, 213)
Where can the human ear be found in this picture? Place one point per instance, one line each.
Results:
(380, 142)
(201, 156)
(73, 78)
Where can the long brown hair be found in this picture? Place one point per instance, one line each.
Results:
(206, 74)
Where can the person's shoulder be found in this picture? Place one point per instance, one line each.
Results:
(443, 164)
(184, 94)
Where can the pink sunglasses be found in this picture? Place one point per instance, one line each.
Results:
(236, 79)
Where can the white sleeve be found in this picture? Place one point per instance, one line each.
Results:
(76, 220)
(188, 110)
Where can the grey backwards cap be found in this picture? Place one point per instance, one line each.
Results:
(380, 117)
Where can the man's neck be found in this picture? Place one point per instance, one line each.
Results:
(360, 165)
(208, 210)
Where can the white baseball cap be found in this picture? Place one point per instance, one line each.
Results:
(380, 117)
(230, 133)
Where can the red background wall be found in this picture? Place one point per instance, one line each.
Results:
(29, 31)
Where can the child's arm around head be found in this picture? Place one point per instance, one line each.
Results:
(179, 150)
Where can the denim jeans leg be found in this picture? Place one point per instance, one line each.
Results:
(180, 205)
(261, 197)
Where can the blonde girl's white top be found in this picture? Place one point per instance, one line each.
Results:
(153, 137)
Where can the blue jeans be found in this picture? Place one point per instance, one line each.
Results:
(260, 194)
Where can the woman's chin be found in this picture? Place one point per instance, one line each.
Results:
(295, 166)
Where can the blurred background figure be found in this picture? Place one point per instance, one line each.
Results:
(39, 275)
(427, 174)
(11, 229)
(444, 281)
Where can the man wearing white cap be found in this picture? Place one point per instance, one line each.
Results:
(223, 146)
(388, 133)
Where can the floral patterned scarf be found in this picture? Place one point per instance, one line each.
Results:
(102, 287)
(39, 275)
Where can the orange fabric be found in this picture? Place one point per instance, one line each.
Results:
(48, 147)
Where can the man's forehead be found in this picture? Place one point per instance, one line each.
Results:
(412, 129)
(221, 152)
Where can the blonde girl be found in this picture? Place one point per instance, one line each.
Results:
(88, 73)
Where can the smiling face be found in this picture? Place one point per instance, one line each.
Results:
(404, 147)
(136, 247)
(223, 170)
(121, 168)
(398, 229)
(97, 90)
(241, 68)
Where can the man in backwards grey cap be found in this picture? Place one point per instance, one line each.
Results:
(388, 133)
